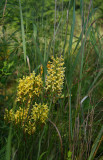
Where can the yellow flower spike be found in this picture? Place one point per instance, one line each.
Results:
(30, 85)
(55, 76)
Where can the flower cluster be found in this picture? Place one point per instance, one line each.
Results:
(55, 76)
(30, 114)
(39, 112)
(38, 115)
(17, 117)
(28, 118)
(29, 87)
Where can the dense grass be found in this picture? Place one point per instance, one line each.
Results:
(32, 32)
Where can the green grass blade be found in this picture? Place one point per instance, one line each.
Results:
(96, 144)
(70, 110)
(34, 31)
(22, 30)
(41, 156)
(38, 158)
(8, 149)
(72, 29)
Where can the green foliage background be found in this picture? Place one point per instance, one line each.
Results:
(37, 30)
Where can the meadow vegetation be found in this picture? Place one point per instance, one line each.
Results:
(51, 80)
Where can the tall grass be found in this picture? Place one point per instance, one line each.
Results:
(23, 32)
(75, 122)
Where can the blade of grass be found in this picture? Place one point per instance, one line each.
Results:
(22, 30)
(8, 148)
(72, 29)
(69, 87)
(41, 156)
(38, 157)
(45, 55)
(97, 140)
(82, 47)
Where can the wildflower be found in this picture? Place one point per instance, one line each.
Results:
(32, 115)
(29, 87)
(28, 121)
(39, 112)
(55, 76)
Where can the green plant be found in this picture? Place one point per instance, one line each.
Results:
(29, 93)
(34, 31)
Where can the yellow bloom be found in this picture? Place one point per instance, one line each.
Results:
(29, 87)
(55, 76)
(28, 121)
